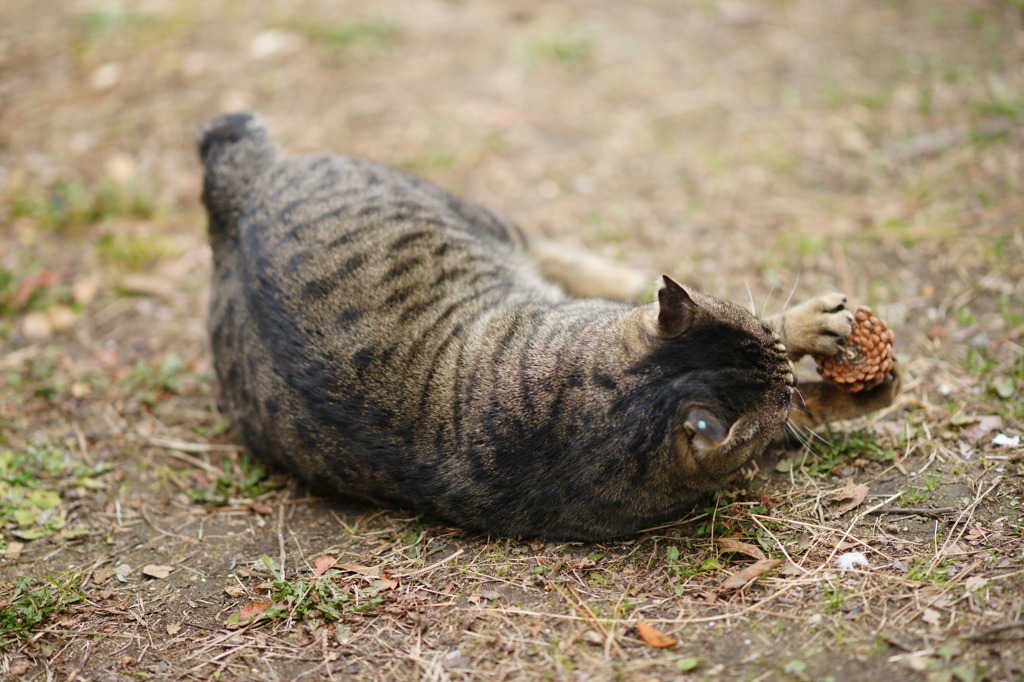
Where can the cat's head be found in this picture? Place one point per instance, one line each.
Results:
(724, 377)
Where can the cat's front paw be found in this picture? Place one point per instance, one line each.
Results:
(815, 327)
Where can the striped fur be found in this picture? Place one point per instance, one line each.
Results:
(390, 342)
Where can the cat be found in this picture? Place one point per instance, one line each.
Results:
(390, 342)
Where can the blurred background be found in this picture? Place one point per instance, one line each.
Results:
(733, 143)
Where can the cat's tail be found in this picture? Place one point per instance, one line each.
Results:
(235, 150)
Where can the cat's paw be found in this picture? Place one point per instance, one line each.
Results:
(885, 393)
(815, 327)
(819, 403)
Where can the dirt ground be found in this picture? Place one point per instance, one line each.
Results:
(762, 151)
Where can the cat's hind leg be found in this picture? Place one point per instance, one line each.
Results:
(817, 403)
(584, 274)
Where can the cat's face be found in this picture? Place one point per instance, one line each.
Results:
(729, 377)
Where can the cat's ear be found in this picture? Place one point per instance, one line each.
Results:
(676, 310)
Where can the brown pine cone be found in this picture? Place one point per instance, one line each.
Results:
(864, 359)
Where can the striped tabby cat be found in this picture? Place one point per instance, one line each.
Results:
(390, 342)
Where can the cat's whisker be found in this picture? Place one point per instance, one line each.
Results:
(793, 429)
(750, 295)
(812, 435)
(768, 297)
(792, 292)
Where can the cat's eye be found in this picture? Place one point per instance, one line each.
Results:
(701, 421)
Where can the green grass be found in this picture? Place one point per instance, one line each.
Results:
(687, 566)
(112, 27)
(607, 229)
(803, 245)
(429, 160)
(72, 203)
(150, 380)
(134, 252)
(323, 599)
(244, 478)
(836, 596)
(568, 49)
(38, 377)
(101, 23)
(32, 483)
(919, 494)
(31, 288)
(836, 449)
(29, 604)
(920, 569)
(1008, 107)
(713, 527)
(338, 43)
(913, 497)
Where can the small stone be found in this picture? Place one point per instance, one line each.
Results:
(61, 317)
(106, 76)
(120, 167)
(36, 325)
(84, 290)
(272, 43)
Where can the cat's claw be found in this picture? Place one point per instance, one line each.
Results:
(816, 327)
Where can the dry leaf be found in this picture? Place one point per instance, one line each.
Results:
(13, 551)
(932, 617)
(791, 569)
(122, 571)
(982, 427)
(234, 591)
(18, 667)
(146, 285)
(851, 496)
(323, 563)
(952, 550)
(731, 545)
(247, 614)
(654, 636)
(173, 628)
(368, 571)
(390, 583)
(751, 572)
(917, 661)
(156, 571)
(975, 583)
(975, 534)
